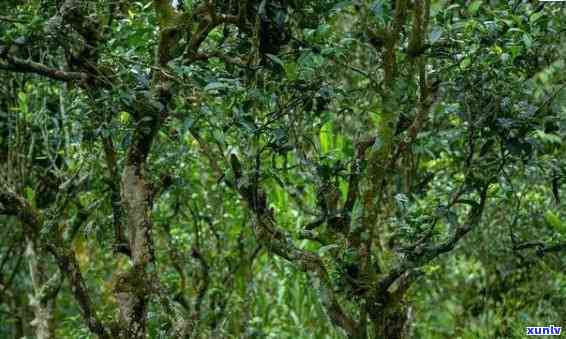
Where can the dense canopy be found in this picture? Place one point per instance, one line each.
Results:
(282, 169)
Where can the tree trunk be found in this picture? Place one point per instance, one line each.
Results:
(41, 301)
(132, 289)
(20, 314)
(390, 323)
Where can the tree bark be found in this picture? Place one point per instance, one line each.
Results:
(132, 288)
(41, 300)
(390, 321)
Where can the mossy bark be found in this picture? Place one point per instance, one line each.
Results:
(43, 305)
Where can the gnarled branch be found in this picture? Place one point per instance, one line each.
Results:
(278, 242)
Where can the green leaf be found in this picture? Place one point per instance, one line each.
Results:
(534, 17)
(291, 71)
(326, 137)
(548, 137)
(475, 6)
(465, 62)
(29, 194)
(23, 102)
(216, 86)
(527, 40)
(276, 59)
(435, 35)
(124, 117)
(553, 221)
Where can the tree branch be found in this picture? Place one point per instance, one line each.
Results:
(355, 173)
(541, 247)
(120, 242)
(422, 255)
(13, 204)
(67, 262)
(280, 243)
(10, 19)
(14, 64)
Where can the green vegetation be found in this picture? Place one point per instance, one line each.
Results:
(282, 169)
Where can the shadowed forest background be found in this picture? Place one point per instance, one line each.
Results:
(282, 169)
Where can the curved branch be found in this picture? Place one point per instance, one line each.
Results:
(422, 255)
(279, 242)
